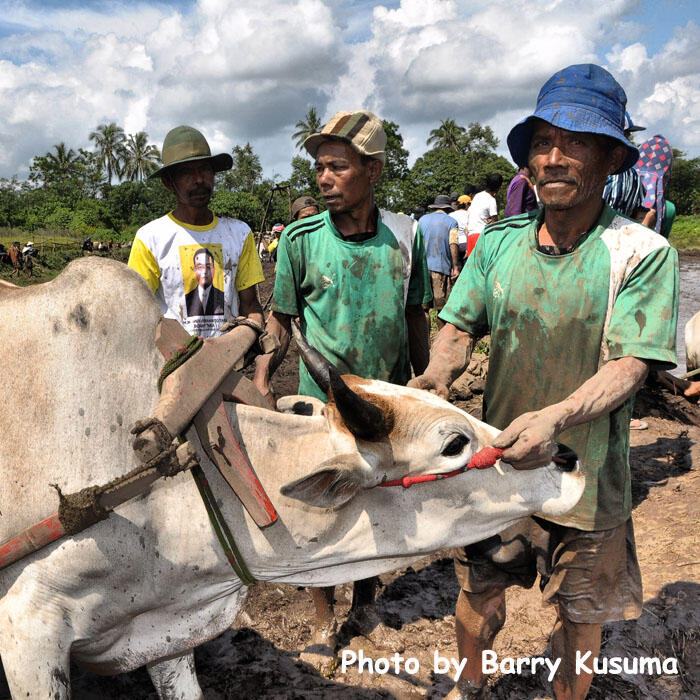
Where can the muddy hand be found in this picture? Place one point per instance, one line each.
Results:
(529, 441)
(428, 383)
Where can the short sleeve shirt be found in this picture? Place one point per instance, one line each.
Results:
(554, 320)
(482, 208)
(436, 228)
(164, 253)
(351, 296)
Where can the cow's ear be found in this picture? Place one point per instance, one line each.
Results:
(334, 484)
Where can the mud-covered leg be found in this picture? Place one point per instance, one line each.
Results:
(35, 656)
(363, 615)
(321, 652)
(176, 679)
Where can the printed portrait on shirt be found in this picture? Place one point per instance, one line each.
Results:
(203, 277)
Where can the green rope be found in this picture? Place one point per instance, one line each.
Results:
(228, 544)
(179, 358)
(223, 534)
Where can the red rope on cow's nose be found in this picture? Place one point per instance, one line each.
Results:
(484, 458)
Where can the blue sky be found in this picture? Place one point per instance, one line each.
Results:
(248, 70)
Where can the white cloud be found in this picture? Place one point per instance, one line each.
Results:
(247, 70)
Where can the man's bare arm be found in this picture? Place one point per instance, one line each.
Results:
(454, 252)
(418, 338)
(448, 359)
(250, 304)
(265, 365)
(530, 440)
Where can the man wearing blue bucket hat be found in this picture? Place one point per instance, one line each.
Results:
(580, 302)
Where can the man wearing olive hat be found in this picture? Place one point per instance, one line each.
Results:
(167, 252)
(580, 302)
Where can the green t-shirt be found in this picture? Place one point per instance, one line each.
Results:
(351, 296)
(555, 320)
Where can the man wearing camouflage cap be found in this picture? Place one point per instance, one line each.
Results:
(356, 277)
(580, 302)
(167, 252)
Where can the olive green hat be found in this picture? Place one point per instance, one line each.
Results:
(182, 144)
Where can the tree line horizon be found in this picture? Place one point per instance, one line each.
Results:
(72, 192)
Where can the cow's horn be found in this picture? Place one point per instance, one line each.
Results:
(316, 363)
(363, 419)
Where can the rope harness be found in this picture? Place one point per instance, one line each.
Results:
(486, 457)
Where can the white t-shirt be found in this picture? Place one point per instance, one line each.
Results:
(482, 208)
(461, 216)
(164, 253)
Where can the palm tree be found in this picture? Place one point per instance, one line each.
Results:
(64, 162)
(141, 158)
(109, 139)
(305, 127)
(449, 135)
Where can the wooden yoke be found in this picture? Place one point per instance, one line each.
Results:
(195, 393)
(187, 389)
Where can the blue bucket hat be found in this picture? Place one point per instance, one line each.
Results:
(584, 98)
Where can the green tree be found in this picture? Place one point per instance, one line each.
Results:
(684, 185)
(389, 191)
(109, 140)
(448, 136)
(55, 168)
(64, 163)
(246, 171)
(443, 170)
(478, 142)
(92, 174)
(239, 205)
(9, 200)
(303, 178)
(140, 157)
(310, 124)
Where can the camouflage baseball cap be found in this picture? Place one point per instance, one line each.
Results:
(183, 144)
(363, 130)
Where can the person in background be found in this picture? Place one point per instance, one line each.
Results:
(654, 168)
(438, 229)
(624, 191)
(16, 258)
(520, 196)
(483, 210)
(304, 206)
(417, 213)
(275, 234)
(460, 215)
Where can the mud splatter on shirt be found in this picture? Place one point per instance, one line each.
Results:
(350, 296)
(554, 320)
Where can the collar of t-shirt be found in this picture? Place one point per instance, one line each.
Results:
(558, 250)
(364, 235)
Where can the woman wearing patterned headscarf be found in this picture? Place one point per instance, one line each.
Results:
(654, 168)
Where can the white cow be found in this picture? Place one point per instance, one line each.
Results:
(692, 343)
(151, 582)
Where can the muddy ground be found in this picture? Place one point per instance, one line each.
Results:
(259, 658)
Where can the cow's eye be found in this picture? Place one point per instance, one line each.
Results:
(455, 446)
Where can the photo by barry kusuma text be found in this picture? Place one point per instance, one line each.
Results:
(491, 663)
